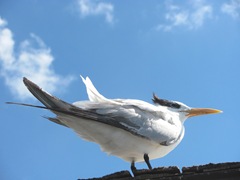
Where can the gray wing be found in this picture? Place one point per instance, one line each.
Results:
(136, 117)
(103, 113)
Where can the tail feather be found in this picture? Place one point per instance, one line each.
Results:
(55, 120)
(92, 92)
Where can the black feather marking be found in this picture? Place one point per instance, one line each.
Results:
(164, 102)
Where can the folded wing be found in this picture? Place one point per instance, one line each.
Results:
(103, 113)
(136, 117)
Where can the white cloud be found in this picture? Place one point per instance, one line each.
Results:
(192, 16)
(200, 14)
(33, 62)
(93, 8)
(231, 8)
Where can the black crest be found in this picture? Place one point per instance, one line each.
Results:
(164, 102)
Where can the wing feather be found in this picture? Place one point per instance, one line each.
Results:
(61, 108)
(136, 117)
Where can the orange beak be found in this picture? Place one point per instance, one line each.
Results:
(201, 111)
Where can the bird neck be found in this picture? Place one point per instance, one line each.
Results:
(182, 118)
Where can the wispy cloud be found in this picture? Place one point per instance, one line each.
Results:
(34, 60)
(95, 8)
(231, 8)
(191, 16)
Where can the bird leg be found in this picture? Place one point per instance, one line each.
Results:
(146, 159)
(133, 168)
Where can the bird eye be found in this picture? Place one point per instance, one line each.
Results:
(165, 102)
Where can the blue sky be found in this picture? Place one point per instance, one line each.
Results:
(186, 51)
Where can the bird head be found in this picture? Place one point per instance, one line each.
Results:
(183, 110)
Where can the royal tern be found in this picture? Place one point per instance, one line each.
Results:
(133, 130)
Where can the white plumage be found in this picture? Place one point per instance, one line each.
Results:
(133, 130)
(150, 126)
